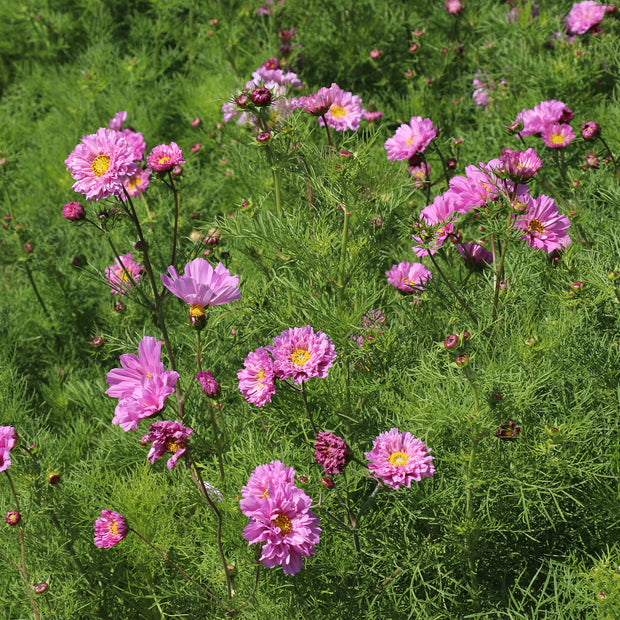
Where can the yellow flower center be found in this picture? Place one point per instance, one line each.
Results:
(399, 459)
(13, 518)
(284, 523)
(266, 493)
(114, 528)
(124, 277)
(410, 141)
(300, 357)
(556, 138)
(259, 379)
(337, 111)
(197, 311)
(171, 446)
(100, 164)
(163, 160)
(536, 226)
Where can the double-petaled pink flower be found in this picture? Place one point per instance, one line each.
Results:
(520, 165)
(165, 157)
(166, 437)
(256, 378)
(331, 452)
(257, 487)
(544, 114)
(583, 16)
(345, 111)
(410, 139)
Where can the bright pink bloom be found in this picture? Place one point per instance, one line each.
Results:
(117, 122)
(410, 139)
(208, 383)
(454, 7)
(100, 164)
(110, 529)
(165, 157)
(583, 16)
(300, 353)
(399, 458)
(558, 135)
(476, 188)
(8, 440)
(475, 255)
(441, 210)
(545, 227)
(256, 490)
(256, 379)
(73, 211)
(408, 277)
(345, 112)
(167, 436)
(520, 165)
(123, 274)
(427, 242)
(318, 103)
(590, 130)
(545, 113)
(271, 77)
(137, 183)
(331, 452)
(286, 526)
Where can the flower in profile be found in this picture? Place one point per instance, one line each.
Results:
(123, 274)
(257, 488)
(256, 378)
(201, 286)
(100, 164)
(345, 111)
(590, 130)
(558, 135)
(286, 526)
(454, 7)
(475, 255)
(8, 440)
(110, 528)
(372, 115)
(117, 122)
(410, 139)
(583, 16)
(331, 452)
(137, 183)
(545, 227)
(508, 430)
(209, 385)
(164, 157)
(167, 436)
(73, 211)
(520, 165)
(300, 353)
(428, 241)
(399, 458)
(318, 103)
(408, 277)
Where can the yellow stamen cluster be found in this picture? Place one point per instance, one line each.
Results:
(300, 356)
(197, 311)
(337, 111)
(536, 226)
(399, 459)
(100, 164)
(556, 138)
(284, 523)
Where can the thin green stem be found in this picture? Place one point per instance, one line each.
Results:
(329, 138)
(343, 254)
(308, 412)
(276, 184)
(176, 218)
(613, 159)
(499, 272)
(34, 287)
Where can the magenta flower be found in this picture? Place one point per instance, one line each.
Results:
(318, 103)
(100, 164)
(257, 488)
(440, 211)
(286, 526)
(13, 517)
(410, 139)
(331, 452)
(165, 157)
(544, 226)
(137, 183)
(209, 385)
(476, 257)
(399, 458)
(256, 378)
(558, 135)
(8, 440)
(73, 211)
(583, 16)
(520, 165)
(110, 529)
(590, 130)
(117, 122)
(454, 7)
(408, 277)
(545, 113)
(345, 112)
(428, 241)
(202, 286)
(300, 353)
(167, 436)
(476, 188)
(123, 274)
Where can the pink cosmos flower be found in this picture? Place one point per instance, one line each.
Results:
(256, 379)
(558, 135)
(300, 353)
(318, 103)
(475, 255)
(454, 7)
(165, 157)
(117, 122)
(137, 183)
(110, 529)
(520, 165)
(331, 452)
(202, 286)
(286, 526)
(73, 211)
(136, 142)
(545, 113)
(583, 16)
(208, 383)
(476, 188)
(371, 115)
(167, 436)
(123, 274)
(427, 242)
(545, 227)
(271, 77)
(100, 164)
(420, 174)
(408, 277)
(8, 440)
(410, 139)
(399, 458)
(441, 210)
(345, 112)
(257, 488)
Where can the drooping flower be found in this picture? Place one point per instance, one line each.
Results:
(408, 277)
(117, 122)
(300, 353)
(167, 436)
(399, 458)
(110, 528)
(545, 227)
(208, 383)
(520, 165)
(165, 157)
(345, 112)
(331, 452)
(558, 135)
(100, 164)
(257, 487)
(475, 255)
(8, 440)
(583, 16)
(201, 286)
(410, 139)
(137, 183)
(256, 378)
(286, 526)
(123, 274)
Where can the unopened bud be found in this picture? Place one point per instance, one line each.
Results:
(41, 588)
(263, 136)
(462, 360)
(327, 482)
(451, 341)
(53, 478)
(261, 97)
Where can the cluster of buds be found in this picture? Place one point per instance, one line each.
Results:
(454, 340)
(508, 430)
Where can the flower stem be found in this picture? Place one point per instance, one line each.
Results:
(34, 287)
(305, 399)
(329, 139)
(276, 185)
(499, 273)
(613, 159)
(176, 217)
(343, 254)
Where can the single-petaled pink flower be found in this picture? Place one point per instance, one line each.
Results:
(137, 183)
(441, 210)
(331, 452)
(100, 164)
(543, 115)
(583, 16)
(558, 135)
(410, 139)
(345, 112)
(318, 103)
(117, 122)
(545, 227)
(167, 436)
(408, 277)
(257, 487)
(399, 458)
(201, 286)
(475, 255)
(300, 353)
(8, 440)
(256, 378)
(286, 526)
(428, 240)
(110, 528)
(476, 188)
(520, 165)
(165, 157)
(123, 274)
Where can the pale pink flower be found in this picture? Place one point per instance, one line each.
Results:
(123, 274)
(408, 277)
(165, 157)
(256, 378)
(271, 77)
(410, 139)
(167, 436)
(8, 440)
(545, 113)
(583, 16)
(558, 135)
(137, 183)
(545, 227)
(454, 7)
(345, 112)
(117, 122)
(110, 528)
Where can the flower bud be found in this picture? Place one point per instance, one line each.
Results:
(27, 248)
(327, 482)
(177, 171)
(41, 588)
(73, 211)
(196, 122)
(208, 383)
(3, 161)
(462, 360)
(414, 48)
(302, 479)
(13, 517)
(590, 130)
(96, 341)
(451, 163)
(194, 148)
(263, 136)
(118, 307)
(374, 54)
(261, 97)
(451, 341)
(53, 478)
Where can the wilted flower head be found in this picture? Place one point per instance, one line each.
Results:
(583, 16)
(410, 139)
(408, 277)
(167, 436)
(208, 383)
(123, 274)
(508, 430)
(331, 452)
(520, 165)
(165, 157)
(399, 458)
(110, 528)
(8, 440)
(256, 378)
